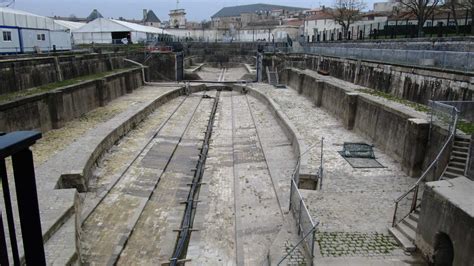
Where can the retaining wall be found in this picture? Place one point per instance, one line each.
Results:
(21, 74)
(399, 134)
(458, 44)
(53, 109)
(415, 84)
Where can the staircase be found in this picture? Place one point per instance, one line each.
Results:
(272, 77)
(459, 158)
(405, 230)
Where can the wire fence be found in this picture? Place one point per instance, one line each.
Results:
(304, 222)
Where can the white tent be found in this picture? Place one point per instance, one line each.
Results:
(21, 19)
(69, 24)
(104, 30)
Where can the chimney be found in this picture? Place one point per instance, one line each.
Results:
(144, 14)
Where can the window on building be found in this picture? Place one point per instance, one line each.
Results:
(452, 23)
(429, 23)
(7, 36)
(41, 37)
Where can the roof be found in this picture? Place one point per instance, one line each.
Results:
(235, 11)
(95, 14)
(151, 17)
(18, 18)
(112, 25)
(70, 24)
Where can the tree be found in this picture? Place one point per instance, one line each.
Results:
(469, 5)
(453, 6)
(346, 12)
(421, 9)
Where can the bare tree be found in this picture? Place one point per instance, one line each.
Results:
(469, 5)
(346, 12)
(421, 9)
(453, 6)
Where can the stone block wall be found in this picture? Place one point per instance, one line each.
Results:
(415, 84)
(25, 73)
(53, 109)
(459, 44)
(404, 137)
(447, 209)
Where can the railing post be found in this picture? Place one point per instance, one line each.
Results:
(313, 239)
(299, 217)
(3, 245)
(414, 200)
(23, 169)
(9, 212)
(395, 214)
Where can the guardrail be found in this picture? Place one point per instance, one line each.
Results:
(16, 145)
(409, 201)
(304, 222)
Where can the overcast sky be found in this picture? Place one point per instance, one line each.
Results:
(196, 10)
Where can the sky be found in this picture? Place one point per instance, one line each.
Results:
(197, 10)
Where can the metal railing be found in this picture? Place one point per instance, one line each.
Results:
(304, 222)
(409, 201)
(16, 145)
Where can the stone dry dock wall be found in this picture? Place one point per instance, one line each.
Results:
(416, 84)
(447, 210)
(455, 44)
(52, 109)
(394, 131)
(25, 73)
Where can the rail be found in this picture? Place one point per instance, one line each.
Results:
(413, 204)
(16, 145)
(304, 221)
(189, 214)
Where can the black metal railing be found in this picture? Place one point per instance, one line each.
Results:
(16, 145)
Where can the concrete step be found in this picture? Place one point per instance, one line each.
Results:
(461, 148)
(457, 164)
(414, 216)
(460, 154)
(406, 243)
(458, 159)
(407, 231)
(448, 175)
(461, 144)
(455, 170)
(410, 223)
(462, 139)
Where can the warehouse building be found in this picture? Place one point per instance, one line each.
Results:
(23, 32)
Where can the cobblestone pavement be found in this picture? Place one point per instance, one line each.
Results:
(352, 200)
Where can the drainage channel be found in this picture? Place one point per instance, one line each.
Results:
(188, 218)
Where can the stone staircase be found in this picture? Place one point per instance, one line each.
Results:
(405, 231)
(459, 158)
(272, 77)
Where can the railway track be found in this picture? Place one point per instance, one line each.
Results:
(107, 229)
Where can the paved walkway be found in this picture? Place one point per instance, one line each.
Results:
(246, 185)
(354, 204)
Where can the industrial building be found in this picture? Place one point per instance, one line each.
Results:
(23, 32)
(111, 31)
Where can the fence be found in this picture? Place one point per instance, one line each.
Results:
(443, 25)
(443, 115)
(304, 221)
(16, 145)
(441, 59)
